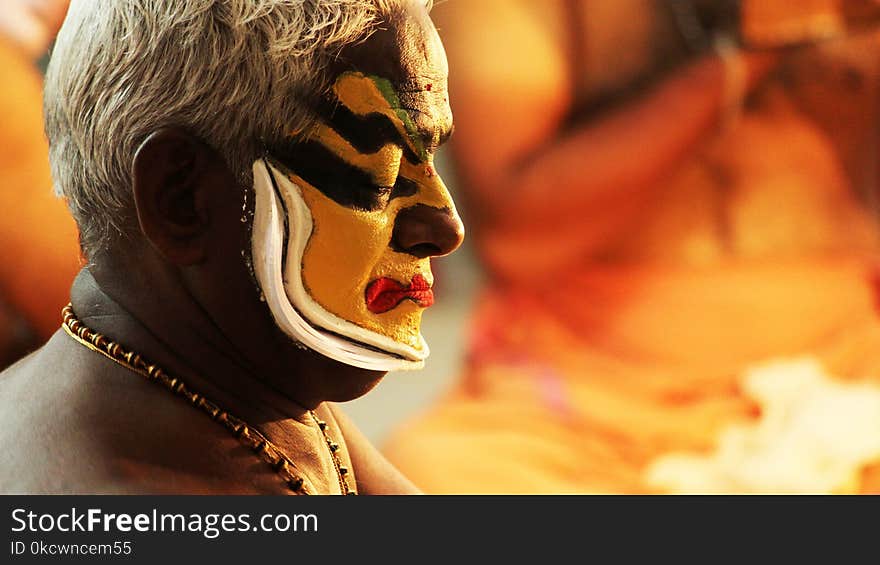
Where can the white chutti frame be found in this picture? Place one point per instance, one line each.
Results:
(293, 309)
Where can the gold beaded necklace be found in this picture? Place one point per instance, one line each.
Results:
(249, 436)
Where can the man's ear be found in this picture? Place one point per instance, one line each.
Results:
(172, 194)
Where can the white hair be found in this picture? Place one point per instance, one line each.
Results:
(235, 73)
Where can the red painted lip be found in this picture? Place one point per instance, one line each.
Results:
(385, 294)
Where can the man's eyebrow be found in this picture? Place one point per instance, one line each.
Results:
(431, 140)
(445, 135)
(366, 133)
(370, 132)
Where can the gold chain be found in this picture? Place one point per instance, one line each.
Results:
(249, 436)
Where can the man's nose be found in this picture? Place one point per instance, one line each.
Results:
(426, 231)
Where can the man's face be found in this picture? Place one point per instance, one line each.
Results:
(379, 210)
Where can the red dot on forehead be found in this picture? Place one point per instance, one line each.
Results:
(429, 171)
(428, 87)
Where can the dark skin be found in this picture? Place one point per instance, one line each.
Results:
(178, 291)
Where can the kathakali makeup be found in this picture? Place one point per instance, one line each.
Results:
(340, 196)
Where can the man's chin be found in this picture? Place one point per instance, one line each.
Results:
(343, 382)
(358, 383)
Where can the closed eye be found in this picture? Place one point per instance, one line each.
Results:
(404, 187)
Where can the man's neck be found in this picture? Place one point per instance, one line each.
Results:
(170, 329)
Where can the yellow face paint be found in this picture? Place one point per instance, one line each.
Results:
(349, 248)
(364, 95)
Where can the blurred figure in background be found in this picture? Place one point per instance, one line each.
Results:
(680, 237)
(38, 256)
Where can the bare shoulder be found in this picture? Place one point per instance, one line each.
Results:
(72, 422)
(45, 446)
